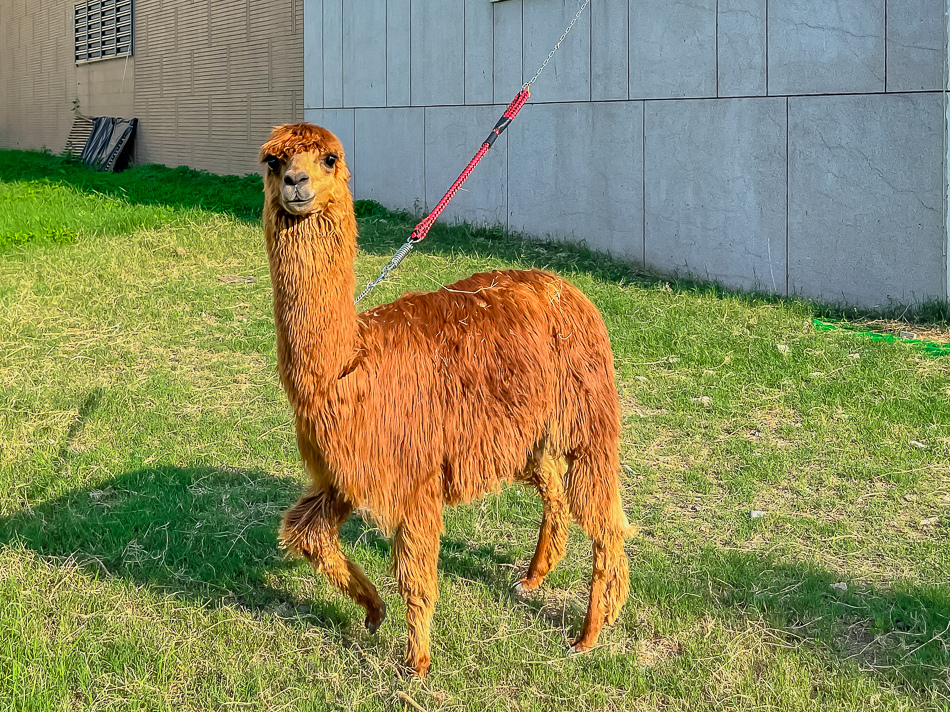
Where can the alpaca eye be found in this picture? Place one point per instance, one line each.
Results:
(273, 163)
(331, 160)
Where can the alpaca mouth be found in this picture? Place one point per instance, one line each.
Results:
(298, 205)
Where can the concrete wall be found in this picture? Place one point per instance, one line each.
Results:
(208, 79)
(796, 146)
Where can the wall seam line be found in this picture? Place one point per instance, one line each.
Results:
(681, 98)
(946, 139)
(590, 55)
(464, 51)
(767, 88)
(425, 186)
(788, 191)
(386, 54)
(643, 182)
(342, 52)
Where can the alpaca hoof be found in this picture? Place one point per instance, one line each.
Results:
(522, 588)
(372, 624)
(419, 668)
(576, 648)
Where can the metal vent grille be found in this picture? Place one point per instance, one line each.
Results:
(103, 29)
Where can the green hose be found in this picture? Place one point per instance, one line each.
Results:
(931, 348)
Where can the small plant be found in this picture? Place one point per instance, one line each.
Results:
(60, 236)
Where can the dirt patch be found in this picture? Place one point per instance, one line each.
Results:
(657, 650)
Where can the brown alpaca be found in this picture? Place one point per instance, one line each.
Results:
(433, 399)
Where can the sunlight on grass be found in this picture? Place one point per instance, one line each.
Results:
(38, 211)
(147, 452)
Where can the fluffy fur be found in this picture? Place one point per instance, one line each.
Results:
(433, 399)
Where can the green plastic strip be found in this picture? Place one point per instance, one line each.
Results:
(931, 348)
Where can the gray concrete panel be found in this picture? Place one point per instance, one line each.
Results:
(915, 45)
(397, 52)
(313, 54)
(364, 54)
(340, 122)
(567, 76)
(478, 52)
(866, 198)
(453, 135)
(742, 58)
(390, 157)
(437, 73)
(822, 47)
(609, 59)
(333, 53)
(672, 48)
(715, 177)
(575, 172)
(507, 51)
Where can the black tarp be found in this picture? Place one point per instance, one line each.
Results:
(108, 144)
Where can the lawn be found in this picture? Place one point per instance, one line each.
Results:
(792, 486)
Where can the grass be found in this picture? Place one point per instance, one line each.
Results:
(147, 451)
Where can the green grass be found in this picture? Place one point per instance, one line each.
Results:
(147, 452)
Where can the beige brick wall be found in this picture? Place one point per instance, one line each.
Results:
(208, 81)
(212, 79)
(37, 73)
(107, 87)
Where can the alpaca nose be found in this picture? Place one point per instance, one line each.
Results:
(296, 180)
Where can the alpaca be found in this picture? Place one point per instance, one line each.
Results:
(433, 399)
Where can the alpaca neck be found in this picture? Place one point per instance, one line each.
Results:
(311, 262)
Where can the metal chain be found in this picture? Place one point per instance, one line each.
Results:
(393, 263)
(558, 45)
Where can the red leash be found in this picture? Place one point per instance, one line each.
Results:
(420, 231)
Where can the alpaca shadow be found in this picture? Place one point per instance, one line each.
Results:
(468, 564)
(208, 534)
(457, 558)
(900, 633)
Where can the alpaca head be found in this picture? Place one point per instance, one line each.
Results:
(305, 172)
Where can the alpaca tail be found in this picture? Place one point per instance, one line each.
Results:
(592, 488)
(628, 530)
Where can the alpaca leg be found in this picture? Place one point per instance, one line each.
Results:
(416, 560)
(417, 557)
(593, 495)
(552, 539)
(311, 528)
(609, 586)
